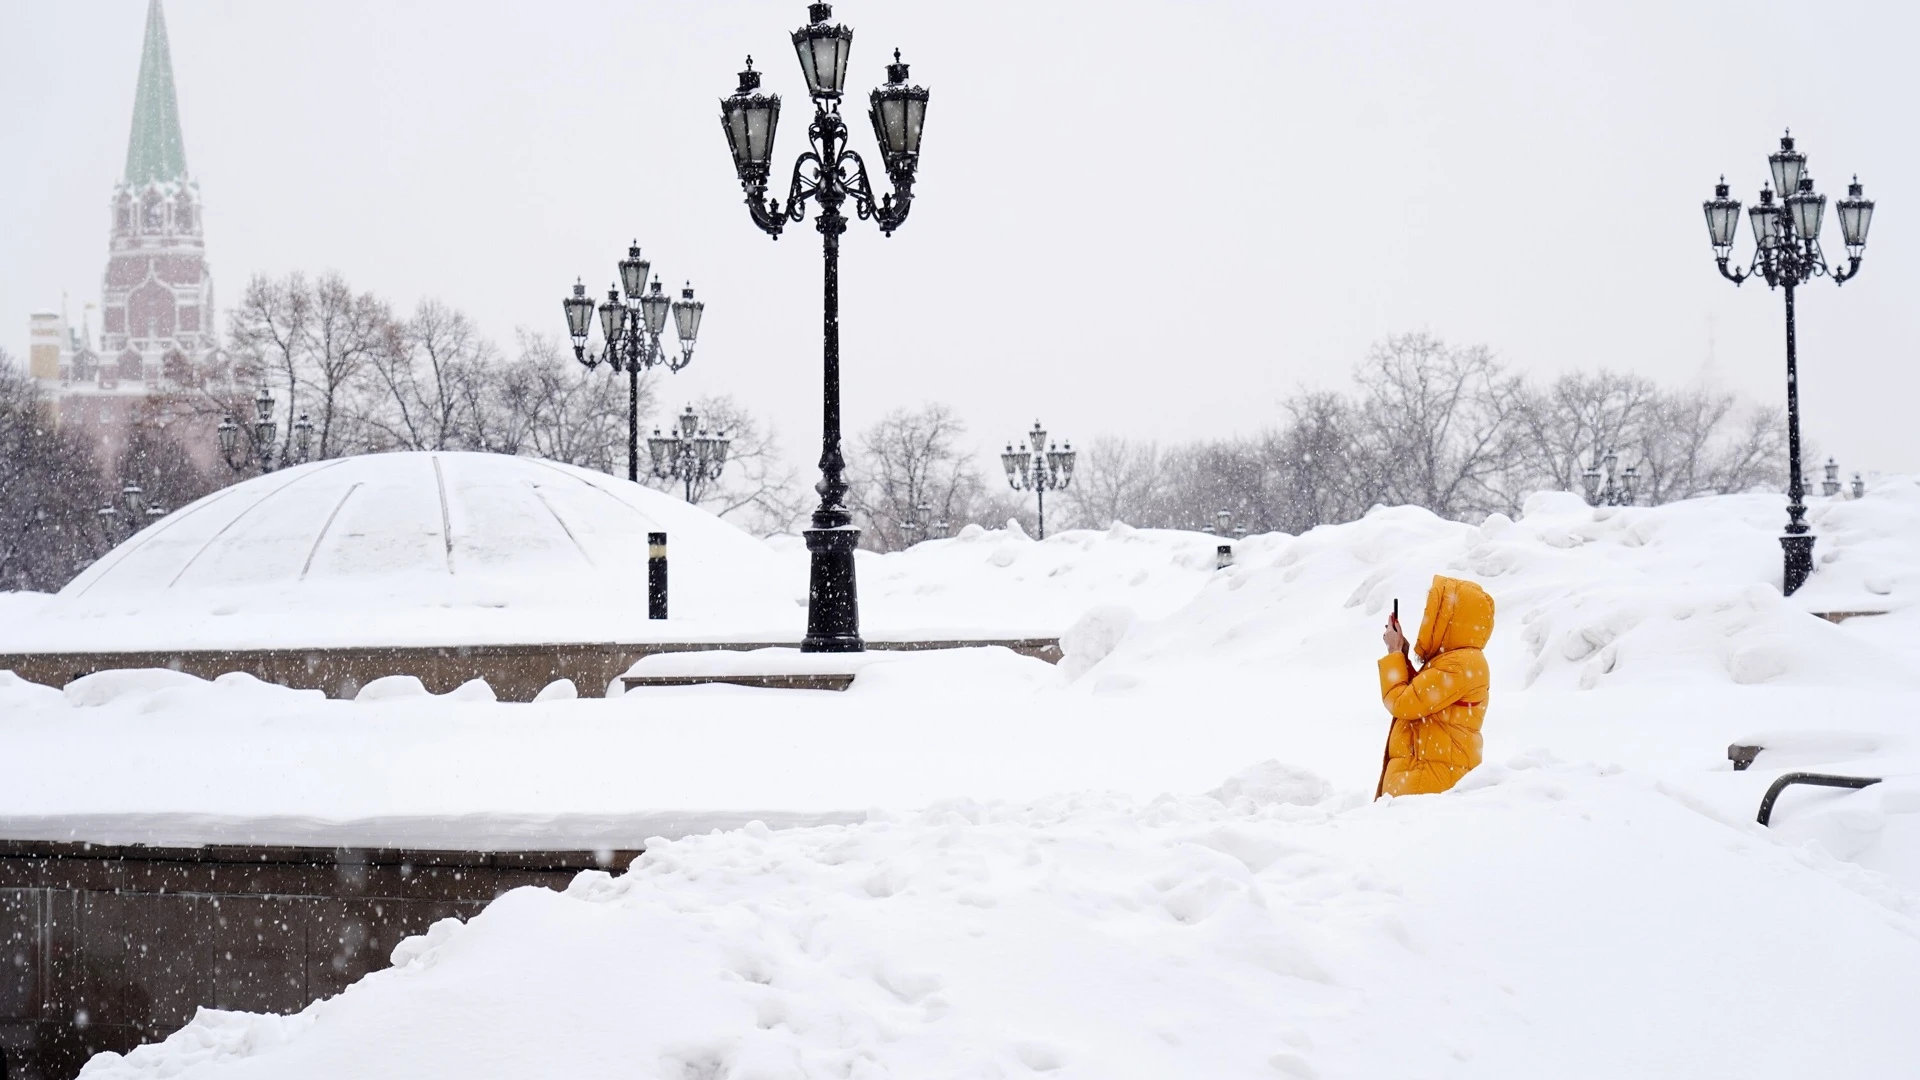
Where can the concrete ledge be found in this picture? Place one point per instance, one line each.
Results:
(814, 681)
(516, 672)
(1843, 616)
(257, 855)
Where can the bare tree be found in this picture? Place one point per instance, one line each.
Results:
(268, 333)
(1439, 419)
(1753, 456)
(909, 459)
(1322, 470)
(1200, 479)
(310, 341)
(433, 375)
(51, 491)
(1114, 479)
(549, 406)
(160, 456)
(1561, 425)
(347, 330)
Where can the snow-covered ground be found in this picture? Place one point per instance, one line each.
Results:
(998, 868)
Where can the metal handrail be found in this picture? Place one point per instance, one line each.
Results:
(1814, 778)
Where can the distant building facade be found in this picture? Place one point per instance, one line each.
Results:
(157, 340)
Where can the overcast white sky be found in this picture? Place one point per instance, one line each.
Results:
(1143, 219)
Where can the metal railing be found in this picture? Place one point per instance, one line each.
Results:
(1742, 755)
(1816, 779)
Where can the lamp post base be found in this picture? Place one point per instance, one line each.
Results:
(1799, 552)
(833, 605)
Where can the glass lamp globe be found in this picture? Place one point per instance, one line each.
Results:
(822, 47)
(1856, 215)
(750, 119)
(1765, 217)
(1723, 217)
(633, 272)
(898, 112)
(654, 307)
(579, 308)
(686, 316)
(1787, 166)
(1807, 207)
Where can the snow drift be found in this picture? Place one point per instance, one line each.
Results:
(1549, 920)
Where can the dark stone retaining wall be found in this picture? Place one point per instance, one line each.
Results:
(104, 948)
(516, 672)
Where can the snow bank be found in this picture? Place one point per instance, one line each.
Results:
(1547, 920)
(1686, 594)
(1003, 583)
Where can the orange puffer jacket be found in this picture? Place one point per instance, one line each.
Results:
(1436, 714)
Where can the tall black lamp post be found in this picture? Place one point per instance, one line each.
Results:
(1042, 468)
(1786, 236)
(828, 173)
(689, 453)
(631, 329)
(265, 431)
(1607, 484)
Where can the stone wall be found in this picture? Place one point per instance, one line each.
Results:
(516, 672)
(104, 948)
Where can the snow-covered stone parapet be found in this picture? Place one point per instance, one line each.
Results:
(1283, 932)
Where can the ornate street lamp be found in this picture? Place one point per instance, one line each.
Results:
(1041, 468)
(133, 499)
(138, 512)
(265, 431)
(265, 428)
(1787, 254)
(1859, 486)
(1607, 484)
(689, 454)
(1830, 483)
(630, 331)
(920, 525)
(828, 173)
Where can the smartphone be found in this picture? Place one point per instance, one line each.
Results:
(1394, 619)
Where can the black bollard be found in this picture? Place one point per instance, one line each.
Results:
(656, 575)
(1223, 556)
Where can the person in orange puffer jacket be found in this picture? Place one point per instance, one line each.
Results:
(1435, 738)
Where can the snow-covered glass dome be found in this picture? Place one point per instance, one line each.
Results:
(419, 549)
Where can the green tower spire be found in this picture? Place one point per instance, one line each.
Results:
(155, 150)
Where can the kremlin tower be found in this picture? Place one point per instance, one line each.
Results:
(157, 335)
